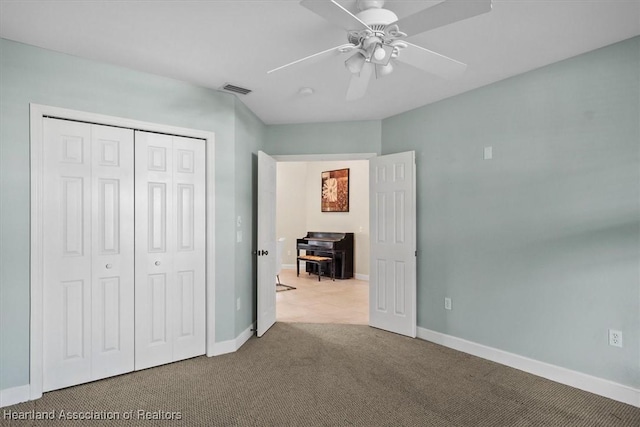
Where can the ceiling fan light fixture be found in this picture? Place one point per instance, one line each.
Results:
(370, 42)
(382, 54)
(384, 70)
(355, 63)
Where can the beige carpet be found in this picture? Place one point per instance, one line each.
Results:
(333, 375)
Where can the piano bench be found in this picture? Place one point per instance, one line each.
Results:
(320, 261)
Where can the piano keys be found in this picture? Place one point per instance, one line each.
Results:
(339, 246)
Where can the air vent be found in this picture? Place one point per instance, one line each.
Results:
(235, 89)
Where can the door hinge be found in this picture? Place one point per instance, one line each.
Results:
(416, 253)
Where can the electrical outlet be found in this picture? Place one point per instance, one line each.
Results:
(238, 304)
(447, 303)
(615, 338)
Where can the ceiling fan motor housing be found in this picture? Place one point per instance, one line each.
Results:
(376, 18)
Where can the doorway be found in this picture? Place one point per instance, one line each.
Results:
(299, 211)
(392, 211)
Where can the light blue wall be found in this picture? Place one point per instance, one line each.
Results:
(250, 132)
(539, 247)
(33, 75)
(324, 138)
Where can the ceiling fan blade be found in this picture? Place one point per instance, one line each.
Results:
(316, 57)
(359, 82)
(431, 62)
(444, 13)
(335, 13)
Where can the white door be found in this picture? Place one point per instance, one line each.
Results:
(266, 249)
(189, 322)
(88, 252)
(170, 249)
(392, 216)
(113, 265)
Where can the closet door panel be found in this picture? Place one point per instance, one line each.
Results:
(67, 254)
(113, 265)
(190, 232)
(170, 248)
(154, 243)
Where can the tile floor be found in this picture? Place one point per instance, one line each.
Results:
(342, 301)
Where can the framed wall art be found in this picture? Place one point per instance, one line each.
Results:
(335, 191)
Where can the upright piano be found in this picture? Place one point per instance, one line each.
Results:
(338, 246)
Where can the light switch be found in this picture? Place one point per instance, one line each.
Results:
(239, 221)
(239, 236)
(488, 153)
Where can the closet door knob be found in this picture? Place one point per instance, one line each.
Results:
(109, 266)
(157, 262)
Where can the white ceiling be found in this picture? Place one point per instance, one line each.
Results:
(209, 43)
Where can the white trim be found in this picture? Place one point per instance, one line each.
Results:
(231, 346)
(11, 396)
(599, 386)
(364, 277)
(211, 246)
(223, 347)
(37, 113)
(36, 244)
(288, 266)
(323, 157)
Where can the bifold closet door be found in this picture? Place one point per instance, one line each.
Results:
(88, 287)
(170, 248)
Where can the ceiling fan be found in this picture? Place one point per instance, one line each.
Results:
(376, 38)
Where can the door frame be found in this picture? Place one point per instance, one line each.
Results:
(37, 113)
(323, 158)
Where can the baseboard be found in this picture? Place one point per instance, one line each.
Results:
(364, 277)
(11, 396)
(288, 266)
(231, 346)
(599, 386)
(245, 336)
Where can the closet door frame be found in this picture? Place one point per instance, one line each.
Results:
(37, 114)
